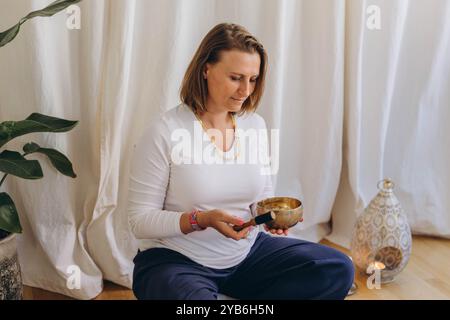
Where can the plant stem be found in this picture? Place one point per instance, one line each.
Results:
(3, 179)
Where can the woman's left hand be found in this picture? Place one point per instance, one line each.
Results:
(279, 231)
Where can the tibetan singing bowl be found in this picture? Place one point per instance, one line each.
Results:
(288, 211)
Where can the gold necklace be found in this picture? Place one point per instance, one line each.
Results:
(213, 138)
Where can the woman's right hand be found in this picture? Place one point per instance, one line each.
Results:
(222, 222)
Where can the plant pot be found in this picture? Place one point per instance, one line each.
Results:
(10, 277)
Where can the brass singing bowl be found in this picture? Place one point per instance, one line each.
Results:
(288, 211)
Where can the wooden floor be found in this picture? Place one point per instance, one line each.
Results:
(427, 276)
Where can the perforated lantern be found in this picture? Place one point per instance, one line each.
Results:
(382, 236)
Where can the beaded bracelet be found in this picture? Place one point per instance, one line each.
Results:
(193, 221)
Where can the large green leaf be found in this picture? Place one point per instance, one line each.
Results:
(53, 8)
(59, 160)
(9, 219)
(36, 122)
(9, 35)
(14, 163)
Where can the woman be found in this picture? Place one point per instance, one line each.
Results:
(183, 210)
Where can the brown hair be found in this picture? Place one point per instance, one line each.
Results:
(223, 37)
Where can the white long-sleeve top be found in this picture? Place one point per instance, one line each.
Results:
(168, 178)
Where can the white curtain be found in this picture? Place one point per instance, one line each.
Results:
(125, 65)
(56, 71)
(397, 105)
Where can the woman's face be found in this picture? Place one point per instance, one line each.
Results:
(231, 80)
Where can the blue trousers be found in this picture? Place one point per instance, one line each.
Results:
(275, 268)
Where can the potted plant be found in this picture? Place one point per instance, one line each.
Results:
(16, 164)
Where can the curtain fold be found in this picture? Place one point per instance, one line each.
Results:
(352, 106)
